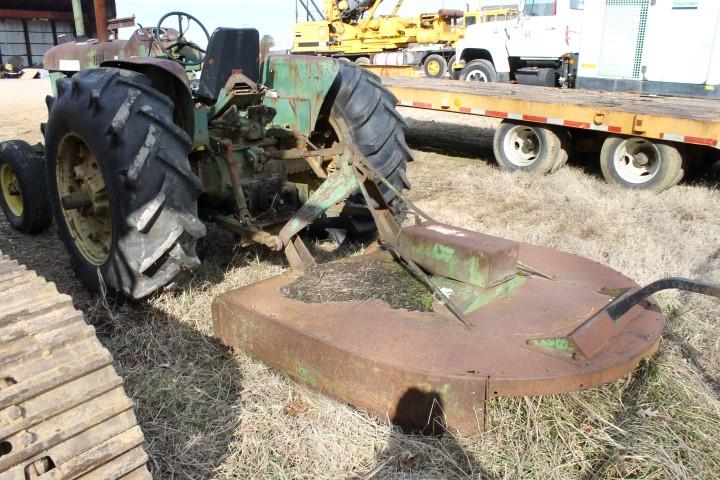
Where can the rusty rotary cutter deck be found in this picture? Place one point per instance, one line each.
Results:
(508, 319)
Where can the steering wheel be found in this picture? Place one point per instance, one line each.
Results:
(174, 50)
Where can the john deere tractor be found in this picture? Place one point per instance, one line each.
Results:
(149, 138)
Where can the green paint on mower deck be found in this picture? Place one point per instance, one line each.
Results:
(471, 298)
(306, 376)
(487, 296)
(557, 345)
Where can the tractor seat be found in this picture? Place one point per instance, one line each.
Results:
(229, 49)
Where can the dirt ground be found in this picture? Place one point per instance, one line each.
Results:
(209, 413)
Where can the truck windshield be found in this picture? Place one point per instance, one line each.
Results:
(539, 8)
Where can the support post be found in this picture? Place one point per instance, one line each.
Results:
(27, 43)
(100, 20)
(79, 20)
(54, 32)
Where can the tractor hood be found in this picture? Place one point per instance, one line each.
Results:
(76, 56)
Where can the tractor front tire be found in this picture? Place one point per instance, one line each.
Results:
(363, 113)
(23, 195)
(122, 192)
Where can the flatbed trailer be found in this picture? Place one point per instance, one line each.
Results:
(645, 142)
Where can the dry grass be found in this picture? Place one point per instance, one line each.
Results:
(207, 413)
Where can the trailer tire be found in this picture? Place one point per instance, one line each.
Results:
(479, 71)
(530, 148)
(23, 194)
(363, 111)
(641, 164)
(435, 66)
(122, 192)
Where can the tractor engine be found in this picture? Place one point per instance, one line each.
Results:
(247, 168)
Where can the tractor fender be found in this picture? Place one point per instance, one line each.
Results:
(169, 78)
(298, 88)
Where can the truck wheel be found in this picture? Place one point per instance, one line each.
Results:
(435, 66)
(122, 192)
(530, 148)
(23, 196)
(479, 71)
(363, 112)
(454, 74)
(363, 61)
(639, 163)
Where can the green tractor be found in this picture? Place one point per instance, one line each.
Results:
(147, 139)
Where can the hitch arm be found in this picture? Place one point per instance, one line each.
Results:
(592, 335)
(621, 305)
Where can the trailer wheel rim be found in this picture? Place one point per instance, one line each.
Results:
(637, 160)
(521, 145)
(433, 68)
(83, 199)
(476, 76)
(11, 190)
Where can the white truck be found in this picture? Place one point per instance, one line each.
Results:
(537, 47)
(667, 47)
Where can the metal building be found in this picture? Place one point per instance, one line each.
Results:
(28, 28)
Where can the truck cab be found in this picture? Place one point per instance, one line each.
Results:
(537, 47)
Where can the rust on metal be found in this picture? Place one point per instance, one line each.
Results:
(74, 56)
(396, 364)
(463, 255)
(100, 20)
(65, 414)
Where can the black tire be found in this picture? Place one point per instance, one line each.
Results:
(530, 148)
(454, 74)
(435, 66)
(662, 167)
(143, 157)
(362, 110)
(478, 71)
(28, 190)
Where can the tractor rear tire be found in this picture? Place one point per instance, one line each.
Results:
(23, 195)
(111, 133)
(363, 112)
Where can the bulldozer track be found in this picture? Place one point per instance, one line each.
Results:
(63, 411)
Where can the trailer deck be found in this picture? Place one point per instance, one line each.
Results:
(675, 119)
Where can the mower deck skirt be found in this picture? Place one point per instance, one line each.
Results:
(415, 367)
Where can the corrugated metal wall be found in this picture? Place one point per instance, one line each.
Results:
(14, 40)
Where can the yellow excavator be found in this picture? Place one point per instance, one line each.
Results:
(351, 29)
